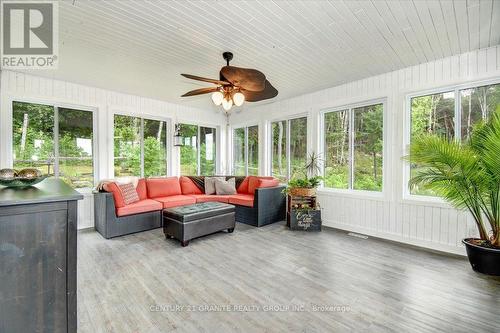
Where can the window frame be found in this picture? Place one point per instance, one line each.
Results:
(287, 141)
(55, 133)
(143, 117)
(198, 145)
(350, 107)
(245, 142)
(456, 88)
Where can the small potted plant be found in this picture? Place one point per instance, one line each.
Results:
(306, 185)
(467, 175)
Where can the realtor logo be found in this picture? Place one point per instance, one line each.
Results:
(29, 35)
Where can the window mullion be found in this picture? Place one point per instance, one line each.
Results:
(351, 148)
(246, 151)
(198, 152)
(458, 116)
(287, 149)
(142, 146)
(56, 141)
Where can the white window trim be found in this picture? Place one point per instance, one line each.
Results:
(287, 142)
(408, 197)
(198, 144)
(245, 127)
(143, 117)
(351, 191)
(56, 105)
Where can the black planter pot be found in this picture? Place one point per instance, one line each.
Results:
(482, 259)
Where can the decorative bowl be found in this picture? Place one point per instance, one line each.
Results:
(24, 178)
(21, 182)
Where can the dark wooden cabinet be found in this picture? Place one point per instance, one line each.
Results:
(38, 228)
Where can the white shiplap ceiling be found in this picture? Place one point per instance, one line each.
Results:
(141, 47)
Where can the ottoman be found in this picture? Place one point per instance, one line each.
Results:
(187, 222)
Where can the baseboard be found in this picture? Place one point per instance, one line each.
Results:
(456, 250)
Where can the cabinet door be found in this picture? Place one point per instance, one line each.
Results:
(33, 269)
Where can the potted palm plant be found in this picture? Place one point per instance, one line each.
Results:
(467, 175)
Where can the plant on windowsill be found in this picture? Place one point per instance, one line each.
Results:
(467, 175)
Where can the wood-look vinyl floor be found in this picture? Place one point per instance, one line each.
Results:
(271, 279)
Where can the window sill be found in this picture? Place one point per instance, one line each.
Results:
(423, 200)
(351, 193)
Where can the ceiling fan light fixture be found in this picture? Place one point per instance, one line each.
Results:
(238, 99)
(217, 98)
(227, 104)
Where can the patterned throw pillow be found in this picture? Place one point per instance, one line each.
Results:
(129, 193)
(223, 187)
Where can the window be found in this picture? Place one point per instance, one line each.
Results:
(246, 151)
(198, 154)
(289, 148)
(57, 141)
(451, 114)
(477, 104)
(140, 147)
(353, 148)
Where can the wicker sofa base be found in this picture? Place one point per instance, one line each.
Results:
(109, 225)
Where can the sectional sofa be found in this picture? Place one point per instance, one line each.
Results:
(258, 202)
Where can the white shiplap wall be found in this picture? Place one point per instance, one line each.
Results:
(23, 87)
(391, 215)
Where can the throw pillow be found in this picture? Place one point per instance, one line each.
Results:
(129, 193)
(210, 184)
(223, 187)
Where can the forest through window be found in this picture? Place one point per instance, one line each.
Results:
(246, 151)
(289, 148)
(140, 147)
(353, 148)
(198, 152)
(451, 114)
(55, 140)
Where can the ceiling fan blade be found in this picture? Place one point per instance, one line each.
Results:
(246, 78)
(204, 79)
(200, 91)
(255, 96)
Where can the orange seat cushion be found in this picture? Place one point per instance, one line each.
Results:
(257, 182)
(142, 206)
(188, 186)
(241, 199)
(176, 200)
(163, 187)
(210, 198)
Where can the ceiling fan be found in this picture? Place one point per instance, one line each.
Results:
(235, 85)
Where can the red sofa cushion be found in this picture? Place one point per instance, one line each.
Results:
(241, 199)
(175, 200)
(142, 206)
(113, 188)
(188, 186)
(211, 198)
(163, 187)
(243, 188)
(257, 182)
(141, 189)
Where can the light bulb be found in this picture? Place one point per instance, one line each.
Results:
(217, 97)
(227, 104)
(238, 99)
